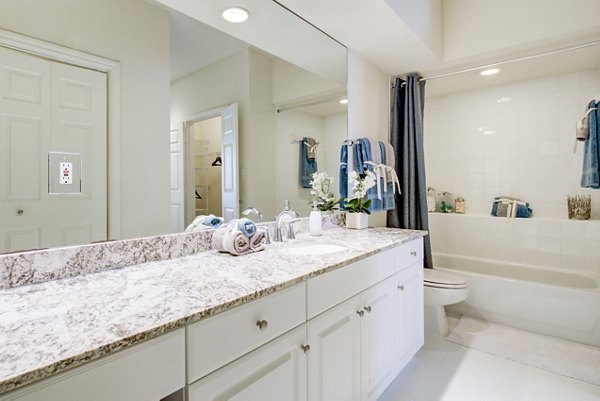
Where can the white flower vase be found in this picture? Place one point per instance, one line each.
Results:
(357, 221)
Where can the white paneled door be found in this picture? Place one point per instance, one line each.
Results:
(229, 174)
(47, 106)
(177, 178)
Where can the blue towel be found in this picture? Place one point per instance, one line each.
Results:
(247, 227)
(590, 177)
(362, 154)
(307, 166)
(212, 221)
(388, 194)
(343, 182)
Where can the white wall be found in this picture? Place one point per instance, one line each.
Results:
(243, 78)
(293, 84)
(424, 17)
(136, 34)
(474, 26)
(293, 125)
(368, 107)
(479, 148)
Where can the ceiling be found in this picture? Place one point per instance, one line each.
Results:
(438, 36)
(195, 45)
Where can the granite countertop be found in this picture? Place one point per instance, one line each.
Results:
(49, 327)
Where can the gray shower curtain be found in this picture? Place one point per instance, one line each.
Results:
(407, 139)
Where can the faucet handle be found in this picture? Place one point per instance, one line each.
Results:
(291, 228)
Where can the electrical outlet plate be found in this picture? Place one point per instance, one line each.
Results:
(64, 173)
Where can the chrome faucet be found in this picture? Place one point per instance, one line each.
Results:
(279, 221)
(250, 209)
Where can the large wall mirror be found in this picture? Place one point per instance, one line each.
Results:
(121, 135)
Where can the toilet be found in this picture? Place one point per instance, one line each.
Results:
(440, 289)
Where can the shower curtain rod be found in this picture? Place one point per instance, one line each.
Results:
(512, 60)
(310, 103)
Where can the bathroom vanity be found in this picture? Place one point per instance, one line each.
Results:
(282, 324)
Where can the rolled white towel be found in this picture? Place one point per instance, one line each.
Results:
(259, 240)
(236, 243)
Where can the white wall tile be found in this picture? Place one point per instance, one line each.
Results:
(529, 155)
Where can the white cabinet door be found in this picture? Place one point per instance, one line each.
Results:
(409, 314)
(273, 372)
(378, 339)
(334, 357)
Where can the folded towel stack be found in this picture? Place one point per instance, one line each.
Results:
(204, 222)
(239, 237)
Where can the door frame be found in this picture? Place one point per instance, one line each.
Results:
(112, 69)
(187, 123)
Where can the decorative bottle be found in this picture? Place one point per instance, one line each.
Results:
(315, 224)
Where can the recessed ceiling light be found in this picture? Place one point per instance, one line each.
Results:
(504, 99)
(490, 71)
(344, 101)
(235, 14)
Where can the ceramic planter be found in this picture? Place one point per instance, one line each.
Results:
(357, 220)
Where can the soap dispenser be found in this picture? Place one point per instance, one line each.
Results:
(315, 224)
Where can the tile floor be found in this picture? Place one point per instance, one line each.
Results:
(444, 371)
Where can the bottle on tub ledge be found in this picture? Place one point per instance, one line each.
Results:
(459, 205)
(431, 200)
(446, 202)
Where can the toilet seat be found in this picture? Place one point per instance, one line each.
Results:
(439, 279)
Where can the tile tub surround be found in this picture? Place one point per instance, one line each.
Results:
(567, 244)
(478, 145)
(52, 264)
(48, 327)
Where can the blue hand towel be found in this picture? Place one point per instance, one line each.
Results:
(362, 154)
(308, 166)
(212, 221)
(590, 177)
(247, 227)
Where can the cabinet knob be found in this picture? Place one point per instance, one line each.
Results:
(262, 325)
(401, 287)
(368, 309)
(20, 211)
(360, 313)
(306, 348)
(413, 253)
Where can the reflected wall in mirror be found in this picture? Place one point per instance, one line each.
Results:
(137, 36)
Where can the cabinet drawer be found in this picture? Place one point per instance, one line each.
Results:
(329, 289)
(214, 342)
(147, 371)
(409, 253)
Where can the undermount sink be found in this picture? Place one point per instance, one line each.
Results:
(314, 249)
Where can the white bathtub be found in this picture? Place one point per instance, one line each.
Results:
(539, 299)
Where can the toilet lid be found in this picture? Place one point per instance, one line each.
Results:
(441, 279)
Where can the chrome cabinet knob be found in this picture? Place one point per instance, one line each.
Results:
(262, 325)
(368, 309)
(20, 212)
(401, 287)
(360, 313)
(306, 348)
(413, 253)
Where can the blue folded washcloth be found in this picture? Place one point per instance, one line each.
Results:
(212, 221)
(247, 227)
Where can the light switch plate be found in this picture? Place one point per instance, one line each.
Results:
(64, 173)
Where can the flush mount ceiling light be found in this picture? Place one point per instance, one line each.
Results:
(235, 14)
(344, 101)
(489, 71)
